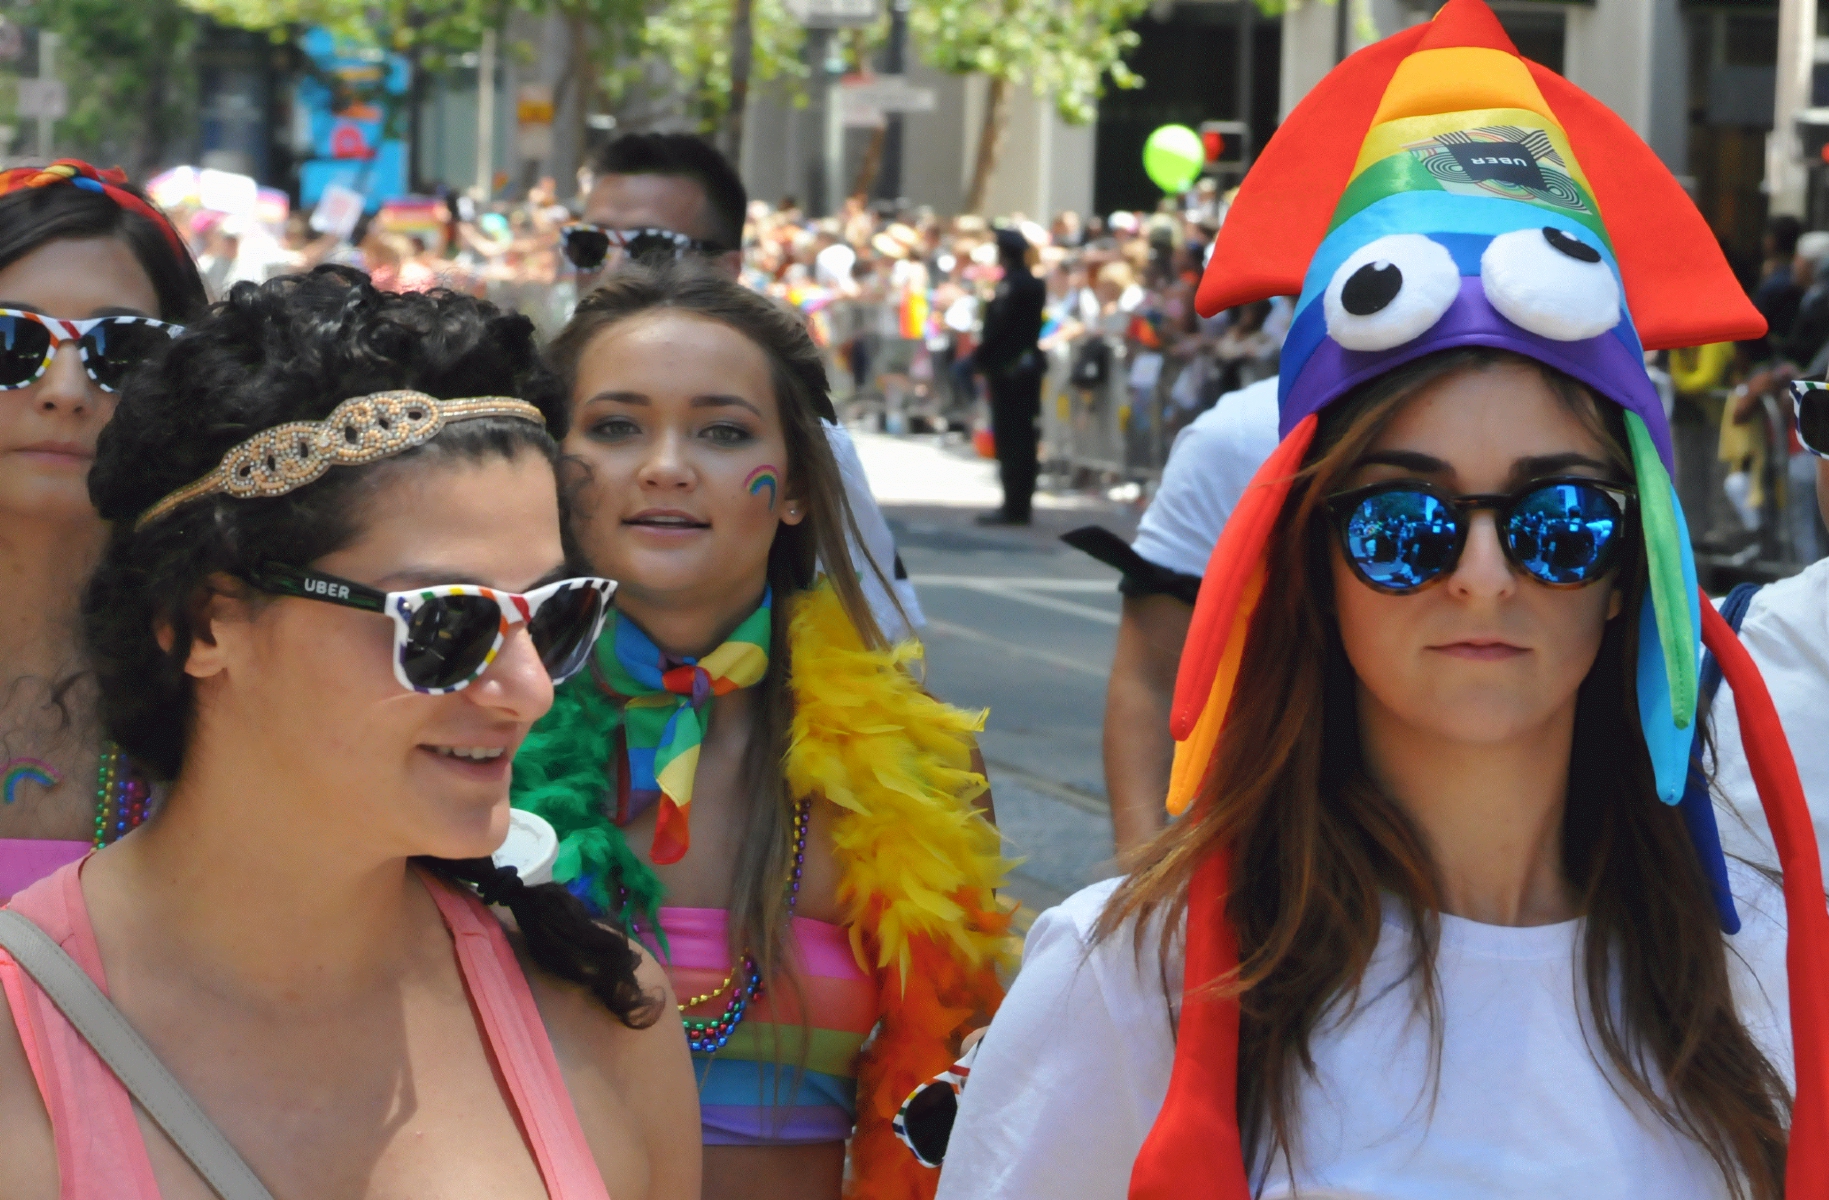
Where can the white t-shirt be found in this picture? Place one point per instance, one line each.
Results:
(879, 543)
(1209, 465)
(1787, 632)
(1075, 1067)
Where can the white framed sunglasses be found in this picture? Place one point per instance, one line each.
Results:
(446, 636)
(111, 347)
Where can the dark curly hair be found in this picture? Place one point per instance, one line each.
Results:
(35, 217)
(291, 350)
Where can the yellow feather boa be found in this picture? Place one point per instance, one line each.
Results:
(919, 864)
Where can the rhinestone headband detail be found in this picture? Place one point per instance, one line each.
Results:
(363, 429)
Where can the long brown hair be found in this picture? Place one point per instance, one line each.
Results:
(758, 906)
(1317, 846)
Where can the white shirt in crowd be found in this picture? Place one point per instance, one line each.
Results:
(1208, 467)
(1787, 632)
(1075, 1067)
(832, 267)
(878, 545)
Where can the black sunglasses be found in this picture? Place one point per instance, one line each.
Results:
(446, 636)
(1810, 408)
(1404, 535)
(587, 245)
(111, 347)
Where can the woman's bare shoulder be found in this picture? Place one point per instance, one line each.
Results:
(573, 1013)
(632, 1086)
(28, 1155)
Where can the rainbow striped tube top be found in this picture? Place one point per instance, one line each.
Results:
(756, 1090)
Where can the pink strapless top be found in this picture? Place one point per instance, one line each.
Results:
(101, 1154)
(24, 861)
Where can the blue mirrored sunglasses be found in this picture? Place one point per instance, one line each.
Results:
(1403, 536)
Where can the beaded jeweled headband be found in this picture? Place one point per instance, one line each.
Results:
(362, 429)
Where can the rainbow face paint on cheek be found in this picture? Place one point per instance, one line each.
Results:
(24, 770)
(764, 476)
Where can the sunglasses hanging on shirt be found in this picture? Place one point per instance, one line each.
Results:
(111, 347)
(586, 246)
(1810, 407)
(1402, 536)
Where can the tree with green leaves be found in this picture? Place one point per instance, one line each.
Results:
(137, 94)
(1062, 49)
(718, 49)
(395, 24)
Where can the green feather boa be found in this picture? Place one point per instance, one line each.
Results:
(565, 773)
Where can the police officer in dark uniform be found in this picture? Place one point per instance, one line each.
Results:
(1013, 368)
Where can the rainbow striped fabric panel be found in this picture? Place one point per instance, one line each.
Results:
(779, 1081)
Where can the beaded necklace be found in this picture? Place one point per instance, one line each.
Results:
(708, 1035)
(121, 796)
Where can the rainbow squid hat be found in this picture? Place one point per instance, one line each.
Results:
(1426, 195)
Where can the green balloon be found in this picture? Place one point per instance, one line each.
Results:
(1172, 158)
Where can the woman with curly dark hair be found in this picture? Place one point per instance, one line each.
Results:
(332, 603)
(93, 280)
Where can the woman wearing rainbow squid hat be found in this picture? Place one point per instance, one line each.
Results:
(1433, 922)
(747, 775)
(93, 280)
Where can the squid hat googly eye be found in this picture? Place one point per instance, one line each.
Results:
(1437, 190)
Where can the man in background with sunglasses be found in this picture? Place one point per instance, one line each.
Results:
(673, 194)
(1785, 625)
(658, 195)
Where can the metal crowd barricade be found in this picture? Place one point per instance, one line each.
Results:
(1113, 431)
(1787, 534)
(879, 371)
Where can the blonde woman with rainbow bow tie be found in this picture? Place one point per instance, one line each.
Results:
(746, 776)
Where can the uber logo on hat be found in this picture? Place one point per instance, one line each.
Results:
(1507, 162)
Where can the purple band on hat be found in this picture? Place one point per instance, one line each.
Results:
(1605, 364)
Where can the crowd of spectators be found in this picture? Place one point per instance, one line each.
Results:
(898, 297)
(507, 252)
(895, 295)
(1737, 392)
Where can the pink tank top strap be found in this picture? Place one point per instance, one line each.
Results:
(101, 1154)
(523, 1052)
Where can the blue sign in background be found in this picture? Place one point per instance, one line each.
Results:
(353, 97)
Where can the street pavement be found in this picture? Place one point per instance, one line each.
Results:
(1020, 624)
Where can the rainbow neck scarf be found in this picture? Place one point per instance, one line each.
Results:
(666, 713)
(918, 862)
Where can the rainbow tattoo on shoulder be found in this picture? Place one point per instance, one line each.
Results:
(764, 476)
(26, 770)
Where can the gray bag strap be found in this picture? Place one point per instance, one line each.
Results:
(101, 1025)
